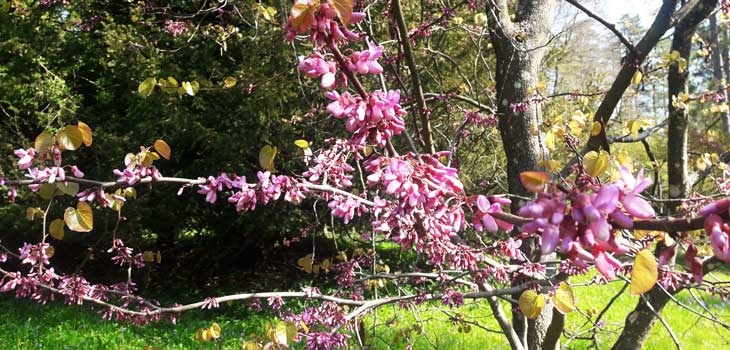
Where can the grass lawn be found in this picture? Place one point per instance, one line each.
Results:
(27, 325)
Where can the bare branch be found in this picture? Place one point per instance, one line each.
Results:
(609, 26)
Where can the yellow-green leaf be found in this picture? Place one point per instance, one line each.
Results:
(80, 219)
(283, 333)
(86, 134)
(56, 229)
(644, 274)
(531, 303)
(636, 79)
(169, 85)
(163, 149)
(534, 181)
(215, 331)
(190, 88)
(268, 13)
(69, 138)
(148, 256)
(149, 157)
(343, 8)
(596, 128)
(249, 345)
(305, 263)
(43, 142)
(32, 213)
(146, 87)
(266, 158)
(303, 144)
(564, 299)
(595, 163)
(229, 82)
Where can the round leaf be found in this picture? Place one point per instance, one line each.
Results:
(644, 274)
(163, 149)
(146, 87)
(215, 331)
(70, 137)
(266, 158)
(343, 8)
(86, 134)
(564, 299)
(229, 82)
(56, 229)
(43, 142)
(534, 181)
(69, 188)
(80, 219)
(531, 303)
(595, 163)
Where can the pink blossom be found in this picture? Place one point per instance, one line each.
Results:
(26, 157)
(315, 66)
(631, 187)
(483, 220)
(176, 28)
(606, 264)
(365, 62)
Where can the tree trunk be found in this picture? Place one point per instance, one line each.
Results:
(640, 321)
(519, 47)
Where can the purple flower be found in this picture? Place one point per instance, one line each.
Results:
(631, 187)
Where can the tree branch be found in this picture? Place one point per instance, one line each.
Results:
(609, 26)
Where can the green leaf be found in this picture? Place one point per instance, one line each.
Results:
(80, 219)
(146, 87)
(56, 229)
(69, 188)
(70, 137)
(48, 191)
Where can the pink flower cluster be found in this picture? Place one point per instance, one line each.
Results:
(371, 122)
(331, 167)
(586, 227)
(245, 196)
(365, 62)
(315, 66)
(134, 172)
(320, 21)
(426, 210)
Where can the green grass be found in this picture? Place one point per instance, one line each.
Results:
(395, 327)
(27, 325)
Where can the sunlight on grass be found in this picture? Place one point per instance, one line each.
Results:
(426, 326)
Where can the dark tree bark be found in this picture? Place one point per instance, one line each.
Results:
(519, 47)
